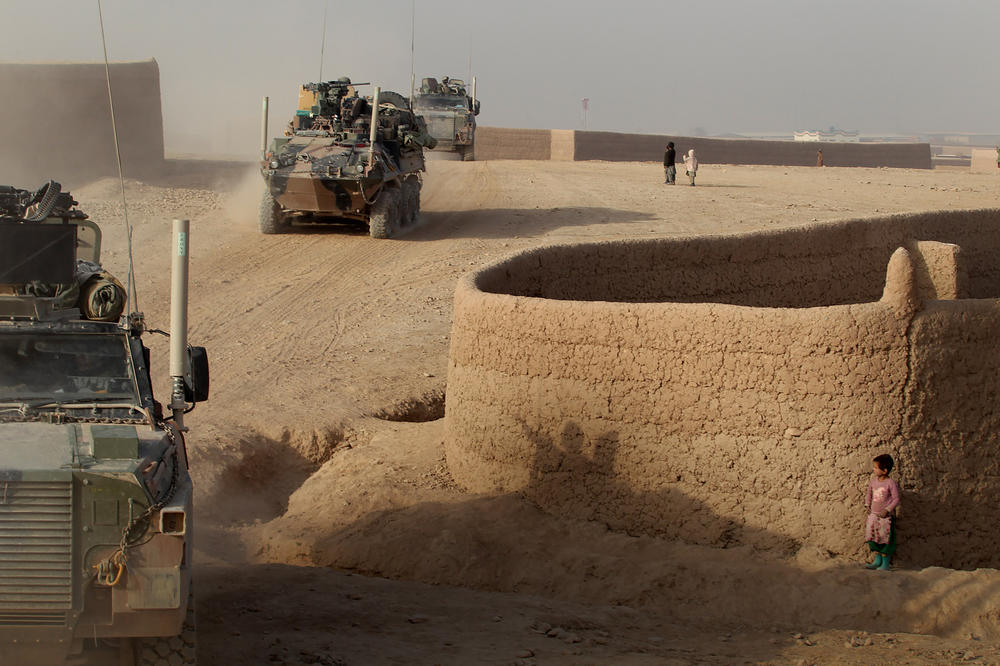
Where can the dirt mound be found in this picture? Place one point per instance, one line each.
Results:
(388, 508)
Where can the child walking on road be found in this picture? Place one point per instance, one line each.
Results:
(882, 499)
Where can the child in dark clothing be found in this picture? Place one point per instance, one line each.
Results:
(882, 499)
(669, 166)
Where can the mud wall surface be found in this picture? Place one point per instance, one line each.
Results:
(615, 147)
(984, 160)
(563, 145)
(56, 121)
(500, 143)
(733, 390)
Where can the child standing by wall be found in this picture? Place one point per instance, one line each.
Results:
(881, 500)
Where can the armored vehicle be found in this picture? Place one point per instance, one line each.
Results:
(450, 114)
(345, 157)
(95, 495)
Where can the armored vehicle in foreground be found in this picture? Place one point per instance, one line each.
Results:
(345, 157)
(450, 114)
(95, 495)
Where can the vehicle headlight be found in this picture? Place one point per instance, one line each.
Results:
(275, 164)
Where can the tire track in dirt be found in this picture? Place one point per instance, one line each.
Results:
(302, 308)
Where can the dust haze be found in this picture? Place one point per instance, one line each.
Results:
(649, 67)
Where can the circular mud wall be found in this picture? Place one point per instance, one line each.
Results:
(733, 389)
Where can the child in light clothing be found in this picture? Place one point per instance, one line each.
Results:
(882, 499)
(691, 165)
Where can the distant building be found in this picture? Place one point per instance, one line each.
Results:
(833, 135)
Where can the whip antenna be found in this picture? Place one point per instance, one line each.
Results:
(413, 20)
(132, 295)
(322, 44)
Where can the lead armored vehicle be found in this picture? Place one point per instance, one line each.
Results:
(95, 495)
(345, 157)
(450, 113)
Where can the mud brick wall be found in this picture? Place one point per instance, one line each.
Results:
(733, 390)
(615, 147)
(984, 160)
(56, 121)
(500, 143)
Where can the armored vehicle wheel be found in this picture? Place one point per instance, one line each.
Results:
(394, 98)
(270, 217)
(411, 200)
(385, 215)
(467, 153)
(171, 650)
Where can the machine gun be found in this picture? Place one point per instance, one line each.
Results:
(49, 200)
(325, 98)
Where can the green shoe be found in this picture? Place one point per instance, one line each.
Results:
(876, 564)
(885, 563)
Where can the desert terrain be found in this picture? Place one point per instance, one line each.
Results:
(329, 530)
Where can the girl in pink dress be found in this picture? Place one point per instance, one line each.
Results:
(881, 500)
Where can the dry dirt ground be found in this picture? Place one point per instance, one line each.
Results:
(328, 528)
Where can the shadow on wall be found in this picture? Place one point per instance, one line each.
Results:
(951, 433)
(567, 474)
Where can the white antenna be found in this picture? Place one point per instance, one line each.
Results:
(413, 20)
(322, 46)
(133, 297)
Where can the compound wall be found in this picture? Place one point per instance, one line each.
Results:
(984, 160)
(493, 143)
(55, 121)
(500, 143)
(733, 390)
(612, 146)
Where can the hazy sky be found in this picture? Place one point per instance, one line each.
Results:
(655, 66)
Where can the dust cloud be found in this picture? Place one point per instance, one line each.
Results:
(241, 203)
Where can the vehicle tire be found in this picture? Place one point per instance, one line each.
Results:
(385, 214)
(411, 200)
(468, 153)
(180, 650)
(394, 98)
(270, 217)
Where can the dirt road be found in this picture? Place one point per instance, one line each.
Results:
(319, 453)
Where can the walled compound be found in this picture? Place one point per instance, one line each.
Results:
(729, 390)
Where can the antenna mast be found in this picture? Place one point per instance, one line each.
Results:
(322, 46)
(132, 295)
(413, 20)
